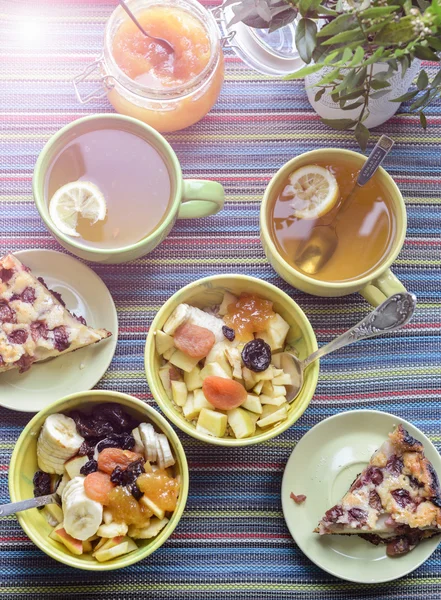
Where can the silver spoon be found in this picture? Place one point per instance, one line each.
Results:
(15, 507)
(167, 45)
(316, 251)
(391, 315)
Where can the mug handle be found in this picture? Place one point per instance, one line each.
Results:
(382, 288)
(200, 198)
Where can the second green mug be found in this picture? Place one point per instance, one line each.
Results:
(192, 198)
(374, 287)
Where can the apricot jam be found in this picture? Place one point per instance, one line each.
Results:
(125, 509)
(250, 314)
(149, 62)
(160, 488)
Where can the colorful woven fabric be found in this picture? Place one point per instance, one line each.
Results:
(232, 541)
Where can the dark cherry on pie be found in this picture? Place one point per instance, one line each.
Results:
(34, 323)
(396, 500)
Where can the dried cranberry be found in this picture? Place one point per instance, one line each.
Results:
(126, 441)
(86, 450)
(90, 467)
(83, 424)
(39, 330)
(401, 497)
(79, 318)
(42, 483)
(133, 471)
(61, 338)
(357, 514)
(24, 362)
(397, 547)
(228, 333)
(333, 514)
(7, 314)
(395, 465)
(136, 492)
(356, 484)
(117, 476)
(374, 475)
(375, 500)
(19, 336)
(6, 274)
(27, 295)
(256, 355)
(120, 420)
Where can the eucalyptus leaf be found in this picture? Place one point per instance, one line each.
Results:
(406, 96)
(319, 94)
(379, 94)
(423, 120)
(309, 70)
(434, 42)
(437, 79)
(362, 135)
(339, 124)
(308, 5)
(379, 85)
(422, 80)
(420, 101)
(360, 77)
(353, 105)
(354, 94)
(341, 23)
(379, 11)
(396, 32)
(425, 53)
(353, 36)
(306, 32)
(358, 57)
(328, 78)
(280, 20)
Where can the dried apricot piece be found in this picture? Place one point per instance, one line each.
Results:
(98, 487)
(223, 394)
(109, 458)
(193, 340)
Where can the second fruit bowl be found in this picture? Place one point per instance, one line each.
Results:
(209, 292)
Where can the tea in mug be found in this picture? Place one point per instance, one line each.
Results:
(365, 227)
(131, 174)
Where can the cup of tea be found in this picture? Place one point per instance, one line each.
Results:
(128, 181)
(370, 228)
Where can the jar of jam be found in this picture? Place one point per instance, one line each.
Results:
(142, 79)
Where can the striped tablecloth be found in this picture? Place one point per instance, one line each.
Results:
(232, 541)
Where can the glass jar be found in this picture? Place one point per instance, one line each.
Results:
(164, 109)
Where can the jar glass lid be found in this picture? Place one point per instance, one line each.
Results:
(272, 53)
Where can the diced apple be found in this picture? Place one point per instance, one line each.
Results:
(273, 401)
(266, 375)
(107, 516)
(101, 543)
(139, 446)
(200, 401)
(214, 369)
(188, 410)
(134, 529)
(258, 387)
(176, 319)
(267, 388)
(179, 392)
(55, 512)
(164, 375)
(64, 481)
(193, 380)
(158, 512)
(87, 546)
(233, 357)
(284, 379)
(112, 530)
(153, 529)
(60, 535)
(92, 538)
(226, 301)
(106, 554)
(169, 353)
(276, 371)
(217, 352)
(49, 518)
(241, 423)
(110, 543)
(279, 390)
(212, 422)
(55, 480)
(74, 465)
(253, 404)
(279, 415)
(268, 409)
(163, 342)
(183, 361)
(275, 333)
(249, 378)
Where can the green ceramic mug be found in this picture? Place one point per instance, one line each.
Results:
(191, 198)
(377, 285)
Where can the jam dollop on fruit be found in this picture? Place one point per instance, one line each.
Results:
(256, 355)
(162, 489)
(126, 509)
(250, 314)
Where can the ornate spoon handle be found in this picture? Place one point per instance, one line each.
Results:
(15, 507)
(393, 314)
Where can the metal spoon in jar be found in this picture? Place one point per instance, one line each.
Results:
(15, 507)
(391, 315)
(322, 242)
(167, 45)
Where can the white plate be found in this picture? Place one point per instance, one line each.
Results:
(85, 295)
(322, 466)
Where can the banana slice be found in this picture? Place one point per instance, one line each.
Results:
(159, 454)
(49, 464)
(63, 483)
(167, 455)
(177, 318)
(148, 437)
(82, 516)
(139, 446)
(61, 433)
(73, 487)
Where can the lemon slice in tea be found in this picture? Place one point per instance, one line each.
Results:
(75, 199)
(314, 191)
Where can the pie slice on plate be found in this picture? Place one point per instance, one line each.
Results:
(34, 323)
(396, 500)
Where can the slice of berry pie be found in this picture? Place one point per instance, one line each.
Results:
(396, 500)
(34, 323)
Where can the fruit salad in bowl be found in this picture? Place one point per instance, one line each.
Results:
(211, 359)
(118, 470)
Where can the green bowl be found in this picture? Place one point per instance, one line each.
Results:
(24, 465)
(209, 291)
